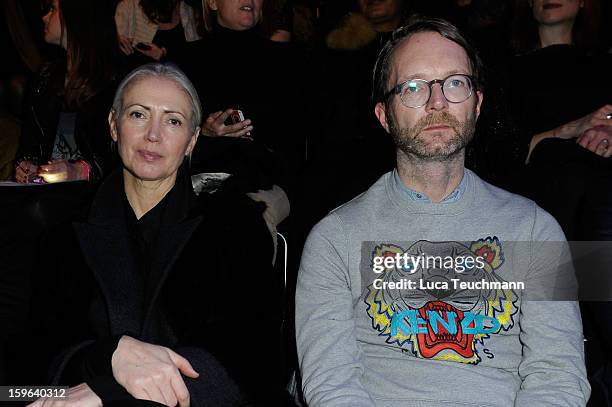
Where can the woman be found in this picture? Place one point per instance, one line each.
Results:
(64, 134)
(560, 35)
(563, 109)
(169, 286)
(261, 145)
(263, 79)
(157, 29)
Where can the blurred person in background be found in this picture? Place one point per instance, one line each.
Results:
(271, 97)
(155, 29)
(345, 129)
(562, 109)
(558, 152)
(63, 137)
(566, 110)
(256, 96)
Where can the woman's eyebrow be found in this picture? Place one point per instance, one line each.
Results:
(147, 108)
(175, 112)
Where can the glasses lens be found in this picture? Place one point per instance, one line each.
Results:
(457, 88)
(415, 93)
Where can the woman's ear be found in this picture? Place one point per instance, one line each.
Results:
(212, 4)
(112, 123)
(193, 141)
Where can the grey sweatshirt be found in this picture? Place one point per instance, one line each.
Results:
(356, 344)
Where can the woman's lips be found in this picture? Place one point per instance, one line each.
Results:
(551, 5)
(149, 155)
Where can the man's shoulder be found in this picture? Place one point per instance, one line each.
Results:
(495, 197)
(357, 210)
(366, 201)
(517, 209)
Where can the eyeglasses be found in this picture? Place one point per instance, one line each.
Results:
(415, 93)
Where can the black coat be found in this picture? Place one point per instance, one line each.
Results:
(266, 80)
(211, 291)
(43, 106)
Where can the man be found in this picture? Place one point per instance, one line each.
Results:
(364, 339)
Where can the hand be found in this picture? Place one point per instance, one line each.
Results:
(61, 171)
(155, 52)
(125, 44)
(151, 372)
(214, 126)
(578, 127)
(25, 171)
(598, 140)
(77, 396)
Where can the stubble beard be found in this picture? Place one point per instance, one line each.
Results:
(413, 143)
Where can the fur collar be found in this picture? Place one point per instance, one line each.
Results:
(354, 32)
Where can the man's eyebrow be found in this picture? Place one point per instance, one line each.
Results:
(420, 75)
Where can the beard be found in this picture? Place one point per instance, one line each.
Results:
(413, 142)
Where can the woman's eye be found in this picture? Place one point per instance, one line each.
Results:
(175, 122)
(137, 115)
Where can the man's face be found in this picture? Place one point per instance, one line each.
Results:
(438, 130)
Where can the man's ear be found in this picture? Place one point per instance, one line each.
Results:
(381, 114)
(112, 123)
(480, 97)
(212, 4)
(193, 141)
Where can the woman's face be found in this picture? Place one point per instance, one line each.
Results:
(380, 10)
(53, 25)
(154, 131)
(551, 12)
(237, 15)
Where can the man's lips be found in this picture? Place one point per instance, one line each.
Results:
(437, 127)
(551, 5)
(149, 155)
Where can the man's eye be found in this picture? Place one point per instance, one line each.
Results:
(413, 87)
(175, 122)
(456, 83)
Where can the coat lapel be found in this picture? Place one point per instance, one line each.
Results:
(170, 244)
(107, 252)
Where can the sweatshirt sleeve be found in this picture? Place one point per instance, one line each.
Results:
(552, 369)
(330, 359)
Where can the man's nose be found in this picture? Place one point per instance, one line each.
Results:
(437, 100)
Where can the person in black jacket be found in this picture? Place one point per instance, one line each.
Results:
(267, 81)
(65, 133)
(171, 298)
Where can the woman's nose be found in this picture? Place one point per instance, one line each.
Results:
(154, 131)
